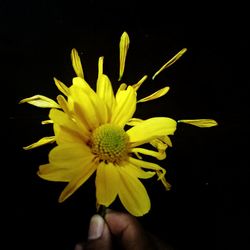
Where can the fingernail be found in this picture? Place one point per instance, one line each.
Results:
(96, 227)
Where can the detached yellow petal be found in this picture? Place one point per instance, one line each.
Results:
(132, 193)
(151, 129)
(159, 93)
(107, 183)
(40, 101)
(41, 142)
(124, 45)
(76, 63)
(170, 62)
(202, 123)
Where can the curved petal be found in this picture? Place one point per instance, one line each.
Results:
(76, 63)
(107, 183)
(40, 101)
(66, 161)
(202, 123)
(161, 155)
(150, 129)
(78, 180)
(125, 107)
(41, 142)
(149, 165)
(61, 86)
(105, 91)
(159, 93)
(132, 193)
(124, 45)
(170, 62)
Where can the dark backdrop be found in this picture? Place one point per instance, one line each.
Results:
(208, 168)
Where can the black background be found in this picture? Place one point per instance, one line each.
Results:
(208, 168)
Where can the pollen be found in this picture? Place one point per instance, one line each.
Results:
(109, 142)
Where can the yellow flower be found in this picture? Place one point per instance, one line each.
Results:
(91, 137)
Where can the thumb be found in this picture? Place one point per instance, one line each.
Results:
(99, 235)
(126, 228)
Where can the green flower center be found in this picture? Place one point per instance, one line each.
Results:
(110, 143)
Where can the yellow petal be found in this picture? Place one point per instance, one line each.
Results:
(125, 107)
(61, 86)
(149, 165)
(170, 62)
(76, 63)
(87, 104)
(66, 124)
(47, 122)
(137, 171)
(202, 123)
(66, 161)
(40, 101)
(55, 173)
(41, 142)
(155, 95)
(63, 104)
(78, 180)
(100, 65)
(161, 155)
(124, 45)
(107, 183)
(134, 121)
(105, 92)
(150, 129)
(132, 193)
(137, 85)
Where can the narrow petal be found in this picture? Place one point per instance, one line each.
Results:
(105, 92)
(161, 155)
(159, 93)
(170, 62)
(47, 122)
(40, 101)
(41, 142)
(202, 123)
(133, 194)
(62, 87)
(149, 165)
(125, 107)
(76, 63)
(100, 65)
(150, 129)
(124, 45)
(107, 183)
(137, 85)
(78, 180)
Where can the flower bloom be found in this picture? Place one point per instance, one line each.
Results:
(90, 136)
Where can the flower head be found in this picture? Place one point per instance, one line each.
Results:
(91, 137)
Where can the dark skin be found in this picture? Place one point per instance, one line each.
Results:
(119, 231)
